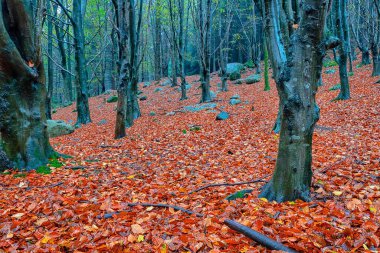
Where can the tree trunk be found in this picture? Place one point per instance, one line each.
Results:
(296, 74)
(375, 60)
(157, 42)
(49, 62)
(83, 110)
(342, 29)
(205, 54)
(366, 59)
(24, 141)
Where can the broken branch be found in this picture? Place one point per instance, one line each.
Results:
(257, 237)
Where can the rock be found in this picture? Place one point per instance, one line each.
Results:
(252, 79)
(234, 71)
(112, 99)
(234, 76)
(102, 122)
(222, 116)
(58, 128)
(236, 96)
(213, 95)
(146, 84)
(143, 98)
(170, 114)
(152, 113)
(199, 107)
(157, 90)
(330, 71)
(235, 101)
(167, 82)
(234, 67)
(335, 87)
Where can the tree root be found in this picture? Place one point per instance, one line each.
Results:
(257, 237)
(177, 208)
(261, 180)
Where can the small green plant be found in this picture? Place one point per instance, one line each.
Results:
(359, 65)
(335, 87)
(330, 63)
(43, 170)
(20, 175)
(55, 163)
(350, 73)
(195, 128)
(184, 131)
(249, 64)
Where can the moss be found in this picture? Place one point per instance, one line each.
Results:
(20, 175)
(112, 99)
(234, 76)
(330, 63)
(335, 87)
(350, 73)
(249, 64)
(55, 163)
(43, 170)
(239, 195)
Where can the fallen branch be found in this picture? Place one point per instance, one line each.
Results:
(177, 208)
(230, 184)
(257, 237)
(31, 187)
(76, 167)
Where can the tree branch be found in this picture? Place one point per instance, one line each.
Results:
(230, 184)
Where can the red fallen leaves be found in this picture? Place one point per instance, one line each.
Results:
(158, 162)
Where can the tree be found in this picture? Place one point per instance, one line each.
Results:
(24, 141)
(49, 61)
(296, 72)
(128, 39)
(77, 22)
(340, 7)
(203, 23)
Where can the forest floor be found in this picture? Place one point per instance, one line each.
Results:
(164, 158)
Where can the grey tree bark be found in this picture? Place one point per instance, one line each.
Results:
(296, 74)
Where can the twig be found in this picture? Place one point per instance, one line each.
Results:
(230, 184)
(177, 208)
(257, 237)
(31, 187)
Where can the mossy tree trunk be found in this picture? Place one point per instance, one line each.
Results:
(24, 141)
(296, 73)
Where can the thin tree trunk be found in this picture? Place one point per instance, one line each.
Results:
(342, 29)
(49, 63)
(83, 110)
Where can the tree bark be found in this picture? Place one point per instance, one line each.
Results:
(342, 29)
(296, 74)
(83, 111)
(49, 62)
(24, 141)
